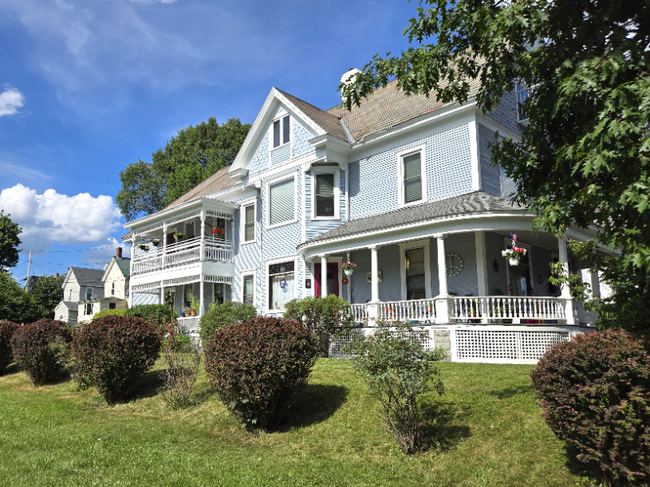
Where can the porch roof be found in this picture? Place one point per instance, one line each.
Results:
(476, 202)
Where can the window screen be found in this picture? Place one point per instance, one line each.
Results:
(282, 201)
(325, 195)
(412, 178)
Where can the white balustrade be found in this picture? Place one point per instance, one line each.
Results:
(360, 312)
(484, 309)
(411, 310)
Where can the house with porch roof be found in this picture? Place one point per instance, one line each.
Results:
(402, 186)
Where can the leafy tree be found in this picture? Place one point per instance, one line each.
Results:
(584, 155)
(190, 157)
(46, 294)
(9, 242)
(15, 303)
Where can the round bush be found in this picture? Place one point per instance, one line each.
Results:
(110, 312)
(222, 315)
(36, 350)
(258, 366)
(113, 352)
(158, 314)
(7, 330)
(595, 394)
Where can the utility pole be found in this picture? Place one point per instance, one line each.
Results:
(29, 271)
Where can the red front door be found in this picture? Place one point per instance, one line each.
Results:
(332, 279)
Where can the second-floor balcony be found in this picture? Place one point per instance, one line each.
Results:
(181, 253)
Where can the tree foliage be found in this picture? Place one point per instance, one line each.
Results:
(15, 303)
(190, 157)
(583, 158)
(46, 294)
(9, 242)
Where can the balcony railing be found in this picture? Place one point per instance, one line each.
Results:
(180, 253)
(412, 310)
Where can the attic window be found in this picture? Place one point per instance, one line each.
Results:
(281, 131)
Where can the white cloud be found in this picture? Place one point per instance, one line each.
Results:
(10, 101)
(102, 254)
(51, 217)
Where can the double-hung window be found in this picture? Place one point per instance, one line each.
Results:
(248, 222)
(281, 284)
(325, 195)
(282, 202)
(248, 289)
(412, 178)
(281, 131)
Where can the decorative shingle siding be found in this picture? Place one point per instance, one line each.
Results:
(506, 113)
(260, 160)
(490, 173)
(373, 179)
(281, 155)
(301, 136)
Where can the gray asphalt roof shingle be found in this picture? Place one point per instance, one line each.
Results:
(466, 203)
(87, 276)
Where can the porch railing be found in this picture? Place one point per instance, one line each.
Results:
(484, 309)
(360, 312)
(183, 252)
(411, 310)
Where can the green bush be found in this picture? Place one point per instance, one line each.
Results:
(258, 366)
(7, 330)
(114, 352)
(153, 313)
(36, 348)
(221, 315)
(398, 371)
(595, 394)
(325, 317)
(110, 312)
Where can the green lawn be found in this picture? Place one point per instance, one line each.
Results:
(490, 433)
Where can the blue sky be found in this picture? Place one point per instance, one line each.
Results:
(88, 87)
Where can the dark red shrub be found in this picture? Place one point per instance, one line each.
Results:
(258, 366)
(7, 330)
(36, 350)
(595, 393)
(113, 352)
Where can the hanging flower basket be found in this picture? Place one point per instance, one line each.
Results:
(514, 254)
(155, 242)
(179, 236)
(348, 268)
(218, 231)
(143, 247)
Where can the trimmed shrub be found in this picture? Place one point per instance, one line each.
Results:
(7, 330)
(153, 313)
(222, 315)
(110, 312)
(258, 366)
(398, 371)
(595, 394)
(113, 352)
(325, 317)
(36, 348)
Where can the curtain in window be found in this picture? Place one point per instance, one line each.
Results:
(282, 202)
(412, 178)
(325, 195)
(281, 291)
(249, 226)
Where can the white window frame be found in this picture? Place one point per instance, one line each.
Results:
(281, 120)
(244, 274)
(427, 265)
(337, 192)
(400, 175)
(242, 223)
(296, 287)
(268, 200)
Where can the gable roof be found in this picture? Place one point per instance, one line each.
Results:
(475, 202)
(329, 122)
(219, 181)
(124, 264)
(87, 277)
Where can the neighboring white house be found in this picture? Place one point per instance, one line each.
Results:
(80, 284)
(402, 186)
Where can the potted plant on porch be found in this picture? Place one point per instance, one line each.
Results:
(514, 254)
(348, 268)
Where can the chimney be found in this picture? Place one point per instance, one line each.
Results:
(348, 78)
(56, 275)
(118, 252)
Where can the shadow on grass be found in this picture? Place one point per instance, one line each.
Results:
(440, 426)
(315, 404)
(148, 386)
(512, 391)
(10, 370)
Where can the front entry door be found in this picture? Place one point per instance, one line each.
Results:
(519, 277)
(332, 279)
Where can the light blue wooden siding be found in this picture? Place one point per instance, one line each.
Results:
(281, 155)
(497, 276)
(466, 282)
(506, 113)
(313, 228)
(373, 180)
(490, 173)
(360, 289)
(247, 256)
(260, 160)
(301, 136)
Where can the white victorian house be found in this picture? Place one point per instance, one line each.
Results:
(405, 188)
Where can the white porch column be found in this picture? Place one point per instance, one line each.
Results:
(164, 246)
(442, 300)
(202, 246)
(130, 300)
(481, 273)
(323, 276)
(565, 291)
(162, 293)
(349, 284)
(201, 299)
(374, 275)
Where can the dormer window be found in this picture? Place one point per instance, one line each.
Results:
(281, 131)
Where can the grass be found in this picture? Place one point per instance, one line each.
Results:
(489, 432)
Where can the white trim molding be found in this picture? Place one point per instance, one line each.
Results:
(270, 183)
(316, 171)
(243, 275)
(403, 247)
(242, 222)
(296, 287)
(401, 203)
